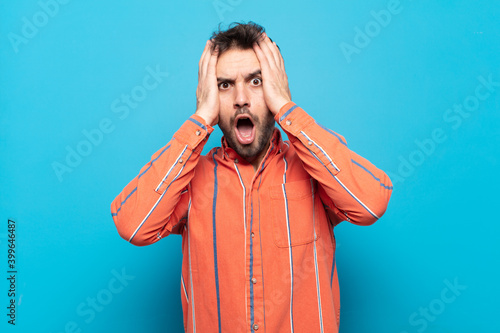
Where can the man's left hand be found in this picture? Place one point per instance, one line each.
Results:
(274, 78)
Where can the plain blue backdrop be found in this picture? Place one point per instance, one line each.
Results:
(414, 86)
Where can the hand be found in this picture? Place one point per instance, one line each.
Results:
(274, 78)
(207, 93)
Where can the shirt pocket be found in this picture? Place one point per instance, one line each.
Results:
(293, 212)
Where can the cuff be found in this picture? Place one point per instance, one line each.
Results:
(292, 118)
(193, 132)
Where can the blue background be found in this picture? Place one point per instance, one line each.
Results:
(398, 88)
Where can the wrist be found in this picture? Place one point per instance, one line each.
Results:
(278, 105)
(206, 116)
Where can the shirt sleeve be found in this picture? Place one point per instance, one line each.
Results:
(350, 186)
(154, 204)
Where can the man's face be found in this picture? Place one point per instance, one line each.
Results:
(244, 118)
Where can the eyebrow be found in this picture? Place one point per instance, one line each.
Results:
(247, 78)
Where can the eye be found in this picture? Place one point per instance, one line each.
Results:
(223, 85)
(256, 81)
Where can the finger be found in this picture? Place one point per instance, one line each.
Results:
(274, 51)
(264, 63)
(205, 59)
(277, 55)
(200, 63)
(278, 59)
(267, 51)
(212, 62)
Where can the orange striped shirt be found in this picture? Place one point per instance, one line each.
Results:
(258, 246)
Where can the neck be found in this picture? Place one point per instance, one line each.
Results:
(257, 159)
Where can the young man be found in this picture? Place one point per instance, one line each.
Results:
(256, 214)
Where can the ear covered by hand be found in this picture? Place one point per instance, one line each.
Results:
(274, 78)
(207, 93)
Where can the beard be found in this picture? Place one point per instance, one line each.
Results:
(264, 129)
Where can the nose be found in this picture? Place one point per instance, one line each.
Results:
(241, 97)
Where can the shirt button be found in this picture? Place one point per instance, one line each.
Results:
(254, 280)
(288, 122)
(236, 160)
(198, 132)
(181, 161)
(256, 327)
(253, 235)
(309, 143)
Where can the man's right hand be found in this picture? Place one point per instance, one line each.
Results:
(207, 93)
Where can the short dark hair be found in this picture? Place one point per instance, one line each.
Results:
(238, 35)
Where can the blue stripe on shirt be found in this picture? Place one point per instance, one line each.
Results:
(333, 133)
(140, 175)
(214, 207)
(371, 174)
(158, 201)
(198, 123)
(344, 187)
(251, 269)
(128, 196)
(333, 265)
(291, 256)
(288, 112)
(262, 269)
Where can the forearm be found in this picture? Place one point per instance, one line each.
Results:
(353, 187)
(144, 210)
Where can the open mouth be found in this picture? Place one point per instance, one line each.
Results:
(244, 129)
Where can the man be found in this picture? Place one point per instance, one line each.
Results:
(256, 214)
